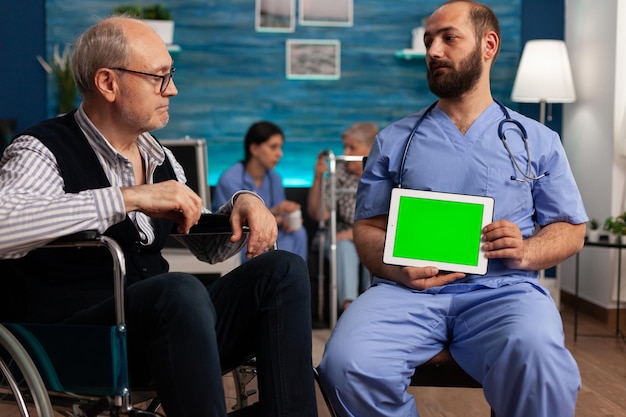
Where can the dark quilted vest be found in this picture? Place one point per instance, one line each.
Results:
(51, 284)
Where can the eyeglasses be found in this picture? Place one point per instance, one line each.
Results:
(165, 79)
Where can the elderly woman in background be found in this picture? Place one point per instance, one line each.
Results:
(352, 277)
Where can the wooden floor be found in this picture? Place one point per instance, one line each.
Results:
(602, 363)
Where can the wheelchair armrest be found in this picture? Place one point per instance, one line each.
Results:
(75, 238)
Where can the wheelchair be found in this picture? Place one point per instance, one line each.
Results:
(50, 370)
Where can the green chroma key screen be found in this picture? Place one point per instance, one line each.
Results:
(437, 230)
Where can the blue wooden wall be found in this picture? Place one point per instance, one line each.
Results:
(228, 75)
(22, 79)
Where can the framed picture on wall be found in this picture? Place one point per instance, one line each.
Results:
(313, 59)
(275, 15)
(326, 12)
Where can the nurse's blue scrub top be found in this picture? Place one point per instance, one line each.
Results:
(440, 158)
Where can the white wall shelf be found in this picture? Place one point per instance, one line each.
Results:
(410, 54)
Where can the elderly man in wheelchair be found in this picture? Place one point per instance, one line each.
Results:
(97, 169)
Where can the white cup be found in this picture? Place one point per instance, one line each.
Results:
(294, 219)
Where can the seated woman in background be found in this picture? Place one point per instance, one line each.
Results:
(263, 147)
(352, 278)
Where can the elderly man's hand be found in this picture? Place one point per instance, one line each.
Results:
(250, 210)
(170, 200)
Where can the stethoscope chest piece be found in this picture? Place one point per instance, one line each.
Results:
(526, 176)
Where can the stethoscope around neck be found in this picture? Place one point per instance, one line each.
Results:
(526, 176)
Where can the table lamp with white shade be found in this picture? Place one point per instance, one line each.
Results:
(544, 75)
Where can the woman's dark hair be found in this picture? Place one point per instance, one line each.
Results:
(258, 133)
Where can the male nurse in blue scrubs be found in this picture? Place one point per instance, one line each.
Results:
(502, 328)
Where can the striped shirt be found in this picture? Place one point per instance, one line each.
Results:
(346, 186)
(35, 209)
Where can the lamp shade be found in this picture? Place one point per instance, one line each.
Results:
(544, 74)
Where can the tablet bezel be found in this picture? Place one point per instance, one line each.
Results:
(487, 215)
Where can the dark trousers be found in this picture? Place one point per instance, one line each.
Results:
(184, 334)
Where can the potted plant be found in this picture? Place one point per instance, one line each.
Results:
(616, 226)
(59, 69)
(128, 9)
(156, 12)
(593, 234)
(155, 15)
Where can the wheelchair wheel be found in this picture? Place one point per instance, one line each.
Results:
(240, 386)
(22, 391)
(239, 390)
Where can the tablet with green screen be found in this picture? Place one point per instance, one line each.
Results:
(427, 228)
